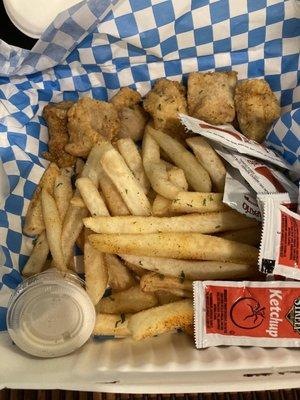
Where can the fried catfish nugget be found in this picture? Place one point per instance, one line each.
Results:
(56, 118)
(210, 96)
(89, 121)
(256, 107)
(164, 102)
(133, 117)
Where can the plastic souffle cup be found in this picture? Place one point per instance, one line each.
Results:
(50, 314)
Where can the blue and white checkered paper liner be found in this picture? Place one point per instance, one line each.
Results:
(94, 49)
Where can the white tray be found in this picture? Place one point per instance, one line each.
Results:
(167, 364)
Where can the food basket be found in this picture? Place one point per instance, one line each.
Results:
(95, 48)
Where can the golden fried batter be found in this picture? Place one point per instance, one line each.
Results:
(56, 118)
(210, 96)
(132, 116)
(164, 102)
(90, 120)
(256, 107)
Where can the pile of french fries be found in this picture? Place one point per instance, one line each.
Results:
(148, 226)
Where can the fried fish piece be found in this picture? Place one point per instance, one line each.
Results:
(89, 121)
(256, 107)
(56, 118)
(210, 96)
(164, 102)
(133, 117)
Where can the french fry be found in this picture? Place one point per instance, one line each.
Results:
(165, 297)
(63, 192)
(193, 270)
(95, 270)
(91, 197)
(152, 282)
(161, 206)
(72, 226)
(120, 277)
(156, 171)
(176, 245)
(91, 167)
(136, 269)
(176, 176)
(158, 320)
(189, 330)
(191, 202)
(111, 325)
(113, 199)
(77, 201)
(129, 188)
(198, 223)
(34, 224)
(195, 174)
(79, 164)
(131, 300)
(38, 256)
(53, 229)
(249, 235)
(181, 293)
(210, 160)
(132, 157)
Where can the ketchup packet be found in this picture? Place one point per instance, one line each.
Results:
(265, 314)
(280, 244)
(230, 138)
(239, 195)
(261, 177)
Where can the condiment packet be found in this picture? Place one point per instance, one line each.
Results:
(265, 314)
(262, 178)
(230, 138)
(280, 244)
(239, 195)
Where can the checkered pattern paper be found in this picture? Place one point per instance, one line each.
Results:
(98, 46)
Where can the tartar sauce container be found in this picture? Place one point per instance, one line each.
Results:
(50, 314)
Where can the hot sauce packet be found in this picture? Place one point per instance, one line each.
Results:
(229, 137)
(280, 243)
(265, 314)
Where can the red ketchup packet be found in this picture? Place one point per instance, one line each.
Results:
(280, 243)
(230, 138)
(265, 314)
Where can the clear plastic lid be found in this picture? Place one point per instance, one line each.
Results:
(50, 314)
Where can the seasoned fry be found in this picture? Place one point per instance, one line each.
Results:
(161, 205)
(113, 199)
(63, 192)
(91, 197)
(210, 160)
(249, 235)
(53, 229)
(34, 224)
(158, 320)
(198, 223)
(152, 282)
(192, 269)
(195, 174)
(95, 270)
(72, 227)
(156, 170)
(77, 201)
(129, 188)
(136, 269)
(79, 164)
(191, 202)
(176, 176)
(119, 277)
(195, 246)
(131, 300)
(165, 297)
(91, 167)
(132, 157)
(38, 256)
(181, 293)
(111, 325)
